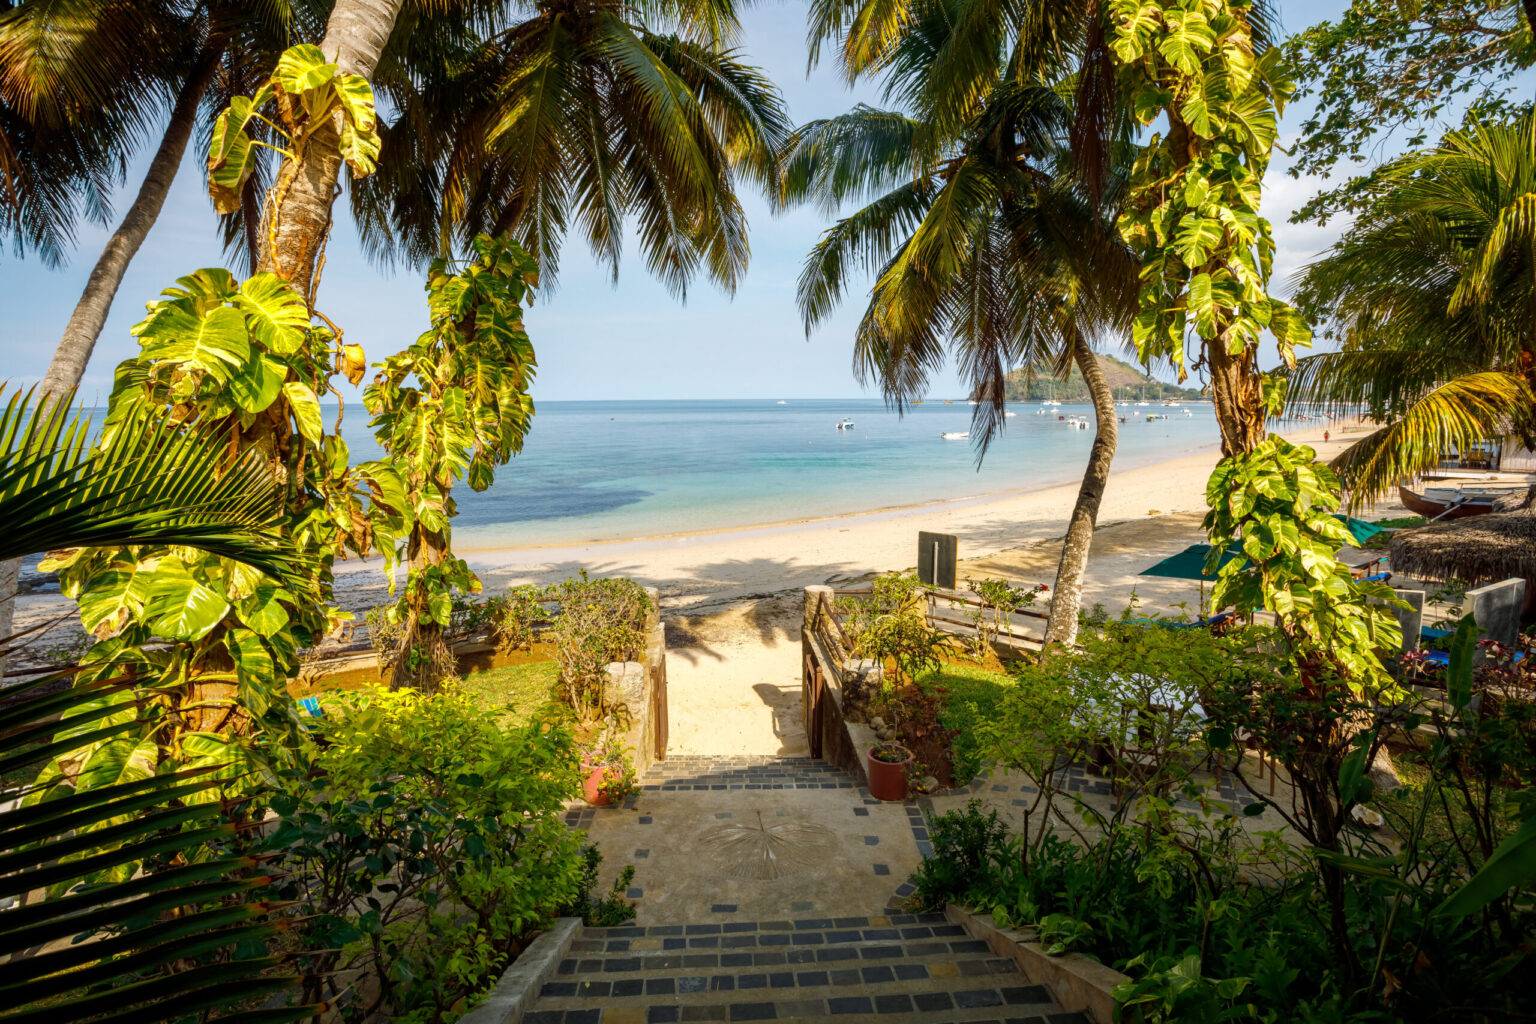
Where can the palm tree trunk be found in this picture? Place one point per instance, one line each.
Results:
(90, 314)
(298, 215)
(1061, 627)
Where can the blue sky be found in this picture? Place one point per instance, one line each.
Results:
(594, 340)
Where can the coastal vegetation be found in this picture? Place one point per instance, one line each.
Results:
(1127, 383)
(181, 840)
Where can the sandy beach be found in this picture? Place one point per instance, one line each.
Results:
(732, 595)
(1145, 508)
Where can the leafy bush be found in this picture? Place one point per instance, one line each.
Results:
(605, 911)
(514, 615)
(1216, 920)
(600, 621)
(422, 843)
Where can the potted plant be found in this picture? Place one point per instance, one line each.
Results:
(888, 764)
(607, 777)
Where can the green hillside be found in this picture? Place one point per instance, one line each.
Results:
(1126, 379)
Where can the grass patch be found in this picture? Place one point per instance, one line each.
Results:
(515, 692)
(969, 695)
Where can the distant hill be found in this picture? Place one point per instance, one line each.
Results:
(1125, 379)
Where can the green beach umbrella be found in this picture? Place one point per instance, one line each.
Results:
(1188, 564)
(1359, 529)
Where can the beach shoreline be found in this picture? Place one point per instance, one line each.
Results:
(1148, 512)
(705, 568)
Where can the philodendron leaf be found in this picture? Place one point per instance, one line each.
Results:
(306, 409)
(216, 343)
(181, 608)
(276, 315)
(302, 68)
(257, 386)
(231, 156)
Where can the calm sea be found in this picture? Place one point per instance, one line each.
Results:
(607, 470)
(597, 470)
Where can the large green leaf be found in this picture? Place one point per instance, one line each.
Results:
(306, 410)
(1512, 866)
(275, 313)
(302, 68)
(182, 608)
(216, 343)
(258, 385)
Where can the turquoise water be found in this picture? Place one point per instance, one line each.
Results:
(600, 470)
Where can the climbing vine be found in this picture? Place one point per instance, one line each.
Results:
(453, 404)
(304, 94)
(1193, 213)
(1206, 251)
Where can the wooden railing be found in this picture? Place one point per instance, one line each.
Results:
(956, 612)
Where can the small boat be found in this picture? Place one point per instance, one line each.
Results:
(956, 435)
(1444, 503)
(1153, 417)
(1050, 401)
(781, 402)
(1143, 403)
(845, 424)
(1010, 414)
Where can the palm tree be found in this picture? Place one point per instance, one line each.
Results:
(128, 896)
(1432, 293)
(584, 116)
(980, 231)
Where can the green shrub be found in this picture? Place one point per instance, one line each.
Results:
(514, 615)
(599, 621)
(605, 911)
(422, 843)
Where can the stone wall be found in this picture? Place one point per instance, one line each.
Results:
(642, 687)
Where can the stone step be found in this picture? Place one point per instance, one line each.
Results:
(936, 951)
(686, 982)
(1002, 1005)
(680, 773)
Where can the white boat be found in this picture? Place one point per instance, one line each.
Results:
(1143, 403)
(956, 435)
(1010, 414)
(781, 402)
(1050, 401)
(845, 424)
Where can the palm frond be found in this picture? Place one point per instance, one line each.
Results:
(130, 901)
(1456, 414)
(152, 482)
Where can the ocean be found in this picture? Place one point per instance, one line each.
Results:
(610, 470)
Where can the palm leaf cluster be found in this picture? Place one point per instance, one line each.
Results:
(581, 117)
(117, 910)
(150, 482)
(132, 900)
(985, 240)
(1432, 294)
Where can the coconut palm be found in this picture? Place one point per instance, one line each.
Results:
(583, 117)
(985, 244)
(1432, 294)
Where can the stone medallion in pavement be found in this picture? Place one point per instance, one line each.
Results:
(749, 838)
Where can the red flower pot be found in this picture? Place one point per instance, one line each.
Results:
(888, 779)
(592, 784)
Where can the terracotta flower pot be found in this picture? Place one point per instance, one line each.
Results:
(888, 779)
(592, 784)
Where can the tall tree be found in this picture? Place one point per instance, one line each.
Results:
(1384, 69)
(980, 231)
(1432, 296)
(299, 204)
(584, 117)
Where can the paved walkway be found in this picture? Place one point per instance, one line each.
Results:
(768, 886)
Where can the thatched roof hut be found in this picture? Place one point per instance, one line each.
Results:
(1475, 550)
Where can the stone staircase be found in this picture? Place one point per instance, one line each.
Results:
(894, 967)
